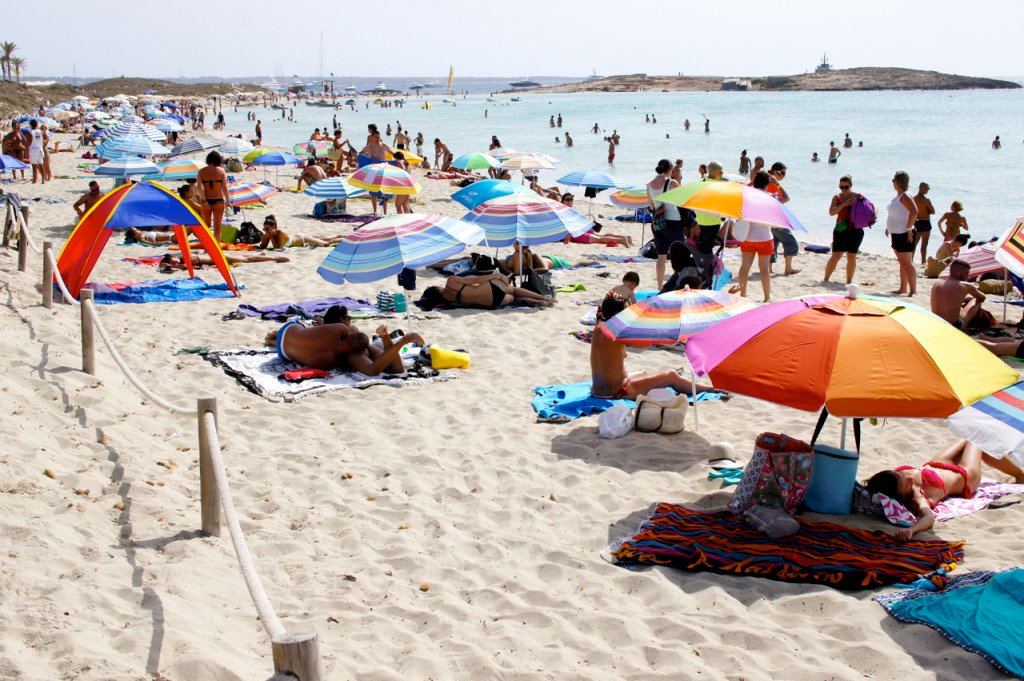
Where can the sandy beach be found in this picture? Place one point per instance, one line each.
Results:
(453, 486)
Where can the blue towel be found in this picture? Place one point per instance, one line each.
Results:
(979, 611)
(574, 400)
(164, 291)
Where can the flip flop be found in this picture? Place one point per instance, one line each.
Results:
(555, 418)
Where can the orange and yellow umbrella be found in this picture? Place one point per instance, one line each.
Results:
(858, 356)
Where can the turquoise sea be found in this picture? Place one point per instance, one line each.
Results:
(943, 138)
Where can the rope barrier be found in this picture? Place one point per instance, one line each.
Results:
(60, 280)
(20, 220)
(252, 580)
(128, 372)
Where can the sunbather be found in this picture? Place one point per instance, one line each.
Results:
(177, 262)
(540, 263)
(487, 291)
(340, 346)
(955, 472)
(608, 364)
(278, 238)
(149, 237)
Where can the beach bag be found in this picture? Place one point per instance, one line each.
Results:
(660, 416)
(862, 213)
(319, 209)
(248, 233)
(385, 301)
(776, 476)
(235, 166)
(538, 282)
(935, 267)
(835, 474)
(649, 250)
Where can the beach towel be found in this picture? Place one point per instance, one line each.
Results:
(152, 260)
(987, 492)
(979, 611)
(820, 553)
(574, 400)
(307, 309)
(159, 291)
(261, 372)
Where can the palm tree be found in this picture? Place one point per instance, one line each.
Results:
(18, 63)
(7, 50)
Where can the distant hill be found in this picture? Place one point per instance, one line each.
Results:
(866, 78)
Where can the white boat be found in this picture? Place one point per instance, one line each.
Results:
(273, 85)
(432, 83)
(594, 76)
(351, 88)
(417, 86)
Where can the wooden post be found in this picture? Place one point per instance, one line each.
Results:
(298, 654)
(209, 495)
(8, 218)
(47, 276)
(88, 339)
(23, 248)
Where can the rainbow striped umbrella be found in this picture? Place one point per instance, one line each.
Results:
(385, 247)
(994, 423)
(384, 178)
(333, 188)
(310, 148)
(244, 193)
(630, 197)
(733, 200)
(178, 169)
(673, 317)
(527, 219)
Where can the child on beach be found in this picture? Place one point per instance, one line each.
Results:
(956, 471)
(625, 290)
(951, 223)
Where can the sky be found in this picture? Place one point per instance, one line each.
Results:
(259, 38)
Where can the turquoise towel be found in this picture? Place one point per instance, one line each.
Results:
(574, 400)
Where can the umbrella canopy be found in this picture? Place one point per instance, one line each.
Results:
(275, 158)
(590, 178)
(196, 144)
(1010, 249)
(333, 188)
(233, 145)
(41, 120)
(527, 219)
(410, 158)
(485, 190)
(733, 200)
(255, 154)
(857, 356)
(126, 127)
(167, 125)
(630, 197)
(501, 153)
(10, 163)
(115, 147)
(311, 147)
(126, 166)
(475, 161)
(994, 423)
(982, 260)
(673, 317)
(385, 247)
(384, 178)
(178, 169)
(527, 162)
(244, 193)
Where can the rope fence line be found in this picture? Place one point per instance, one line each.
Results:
(296, 654)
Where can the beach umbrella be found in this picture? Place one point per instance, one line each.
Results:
(994, 423)
(126, 166)
(178, 169)
(981, 258)
(125, 128)
(590, 178)
(233, 145)
(485, 190)
(384, 178)
(475, 161)
(857, 356)
(630, 197)
(733, 200)
(132, 118)
(311, 148)
(10, 163)
(527, 219)
(275, 158)
(167, 125)
(501, 153)
(526, 162)
(114, 147)
(410, 158)
(96, 116)
(387, 246)
(244, 193)
(41, 120)
(333, 188)
(80, 98)
(194, 145)
(255, 154)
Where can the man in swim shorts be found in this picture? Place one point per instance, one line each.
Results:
(923, 224)
(955, 299)
(341, 346)
(608, 364)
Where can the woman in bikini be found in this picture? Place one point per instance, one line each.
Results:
(274, 236)
(213, 187)
(486, 292)
(955, 472)
(150, 238)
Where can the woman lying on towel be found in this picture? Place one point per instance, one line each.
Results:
(485, 292)
(149, 237)
(169, 262)
(955, 472)
(274, 236)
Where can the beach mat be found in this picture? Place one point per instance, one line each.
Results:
(259, 371)
(979, 611)
(159, 291)
(307, 309)
(574, 400)
(820, 553)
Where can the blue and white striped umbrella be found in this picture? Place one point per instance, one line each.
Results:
(128, 128)
(194, 145)
(132, 118)
(126, 166)
(115, 147)
(333, 188)
(233, 145)
(167, 125)
(591, 178)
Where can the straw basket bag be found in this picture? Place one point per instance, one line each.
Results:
(660, 416)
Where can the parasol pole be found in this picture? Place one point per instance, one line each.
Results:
(842, 435)
(693, 391)
(1006, 292)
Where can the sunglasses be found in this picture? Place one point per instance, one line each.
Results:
(844, 186)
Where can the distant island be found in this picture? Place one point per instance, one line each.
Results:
(857, 79)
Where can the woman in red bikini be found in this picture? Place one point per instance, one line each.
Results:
(955, 472)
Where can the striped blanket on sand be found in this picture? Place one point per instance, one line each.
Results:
(820, 553)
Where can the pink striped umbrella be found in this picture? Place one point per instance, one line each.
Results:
(384, 178)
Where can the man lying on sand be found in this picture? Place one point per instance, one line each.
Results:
(955, 472)
(340, 346)
(608, 365)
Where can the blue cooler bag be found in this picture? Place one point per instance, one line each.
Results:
(834, 474)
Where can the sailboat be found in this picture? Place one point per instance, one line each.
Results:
(451, 78)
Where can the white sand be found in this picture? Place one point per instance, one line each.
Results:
(454, 485)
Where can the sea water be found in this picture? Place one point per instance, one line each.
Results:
(942, 138)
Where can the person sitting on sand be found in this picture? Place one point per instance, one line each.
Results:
(955, 472)
(627, 289)
(176, 262)
(951, 248)
(952, 223)
(553, 193)
(955, 299)
(486, 292)
(608, 364)
(311, 174)
(87, 200)
(274, 236)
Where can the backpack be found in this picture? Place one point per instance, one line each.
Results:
(319, 209)
(862, 213)
(649, 250)
(248, 234)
